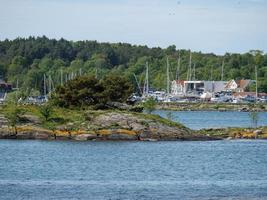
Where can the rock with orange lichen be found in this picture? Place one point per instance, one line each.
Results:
(103, 125)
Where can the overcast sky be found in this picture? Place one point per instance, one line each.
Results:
(217, 26)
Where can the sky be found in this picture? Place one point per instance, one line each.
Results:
(210, 26)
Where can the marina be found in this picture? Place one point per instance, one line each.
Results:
(133, 100)
(193, 90)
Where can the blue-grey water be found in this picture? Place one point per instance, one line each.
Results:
(133, 170)
(213, 119)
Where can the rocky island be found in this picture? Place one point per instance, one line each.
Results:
(97, 125)
(87, 108)
(100, 125)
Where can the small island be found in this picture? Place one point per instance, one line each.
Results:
(86, 108)
(101, 125)
(96, 125)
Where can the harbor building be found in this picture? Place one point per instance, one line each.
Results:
(180, 87)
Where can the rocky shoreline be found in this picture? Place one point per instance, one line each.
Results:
(208, 106)
(236, 133)
(113, 126)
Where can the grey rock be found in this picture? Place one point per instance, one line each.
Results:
(136, 126)
(257, 132)
(42, 135)
(32, 119)
(118, 105)
(84, 137)
(23, 135)
(62, 137)
(3, 122)
(116, 136)
(145, 134)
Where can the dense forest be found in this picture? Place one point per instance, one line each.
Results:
(26, 61)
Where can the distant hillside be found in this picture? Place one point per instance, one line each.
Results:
(27, 60)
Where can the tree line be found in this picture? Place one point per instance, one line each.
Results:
(24, 61)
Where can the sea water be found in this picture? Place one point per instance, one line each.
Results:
(31, 169)
(213, 119)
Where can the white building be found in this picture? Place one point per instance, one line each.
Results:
(180, 87)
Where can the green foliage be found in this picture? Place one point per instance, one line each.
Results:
(161, 120)
(89, 91)
(116, 88)
(149, 105)
(46, 111)
(80, 91)
(27, 60)
(13, 114)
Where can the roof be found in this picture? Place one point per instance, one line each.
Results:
(180, 82)
(240, 83)
(243, 83)
(228, 84)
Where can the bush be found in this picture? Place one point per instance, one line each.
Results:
(46, 111)
(149, 105)
(88, 91)
(13, 113)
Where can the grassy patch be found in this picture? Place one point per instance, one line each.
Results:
(159, 119)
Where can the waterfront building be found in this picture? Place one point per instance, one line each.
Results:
(180, 87)
(238, 85)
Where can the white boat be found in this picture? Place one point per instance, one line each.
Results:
(206, 95)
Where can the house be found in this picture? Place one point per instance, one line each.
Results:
(238, 85)
(177, 87)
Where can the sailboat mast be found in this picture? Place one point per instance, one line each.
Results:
(222, 70)
(49, 84)
(256, 76)
(72, 75)
(147, 86)
(137, 83)
(168, 77)
(178, 68)
(194, 72)
(96, 75)
(61, 77)
(211, 73)
(17, 86)
(44, 85)
(188, 78)
(189, 68)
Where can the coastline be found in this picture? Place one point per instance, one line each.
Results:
(96, 125)
(37, 133)
(209, 106)
(114, 125)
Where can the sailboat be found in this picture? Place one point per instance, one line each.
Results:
(48, 90)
